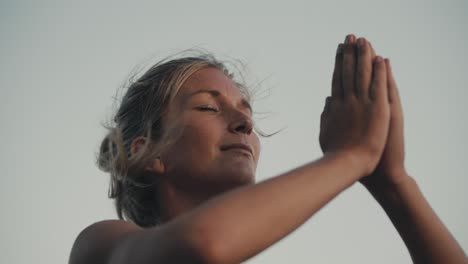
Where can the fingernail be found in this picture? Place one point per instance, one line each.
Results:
(348, 38)
(378, 59)
(360, 42)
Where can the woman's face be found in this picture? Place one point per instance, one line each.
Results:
(217, 148)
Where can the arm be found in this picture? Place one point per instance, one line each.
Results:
(423, 233)
(281, 204)
(229, 228)
(239, 224)
(247, 220)
(425, 236)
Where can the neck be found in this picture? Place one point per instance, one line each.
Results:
(175, 201)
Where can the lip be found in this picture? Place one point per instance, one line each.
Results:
(238, 146)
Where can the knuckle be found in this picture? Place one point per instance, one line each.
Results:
(363, 52)
(349, 49)
(363, 70)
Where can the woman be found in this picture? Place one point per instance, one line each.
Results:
(183, 155)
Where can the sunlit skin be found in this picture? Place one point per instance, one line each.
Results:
(212, 114)
(214, 213)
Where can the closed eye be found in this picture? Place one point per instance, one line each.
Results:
(205, 108)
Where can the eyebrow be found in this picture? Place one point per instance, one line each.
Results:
(215, 93)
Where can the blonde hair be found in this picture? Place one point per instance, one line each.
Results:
(140, 114)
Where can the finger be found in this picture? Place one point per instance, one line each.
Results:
(364, 69)
(379, 90)
(395, 145)
(325, 111)
(393, 96)
(372, 51)
(327, 104)
(326, 108)
(337, 88)
(349, 66)
(350, 38)
(337, 79)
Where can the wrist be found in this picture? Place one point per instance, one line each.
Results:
(385, 179)
(391, 190)
(352, 160)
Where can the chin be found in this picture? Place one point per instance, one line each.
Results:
(241, 179)
(231, 180)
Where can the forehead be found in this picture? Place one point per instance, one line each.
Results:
(211, 79)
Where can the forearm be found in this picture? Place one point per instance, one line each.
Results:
(243, 222)
(425, 236)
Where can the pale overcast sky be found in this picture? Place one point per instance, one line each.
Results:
(62, 62)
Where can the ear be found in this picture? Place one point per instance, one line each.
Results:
(137, 144)
(156, 165)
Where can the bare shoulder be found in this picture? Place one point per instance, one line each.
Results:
(95, 243)
(118, 242)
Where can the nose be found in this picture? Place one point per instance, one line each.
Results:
(242, 124)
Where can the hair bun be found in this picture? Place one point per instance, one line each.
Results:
(105, 158)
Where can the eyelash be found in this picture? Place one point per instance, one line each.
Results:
(208, 108)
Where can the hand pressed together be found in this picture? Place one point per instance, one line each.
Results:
(356, 116)
(391, 170)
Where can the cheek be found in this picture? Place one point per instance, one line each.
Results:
(197, 149)
(200, 137)
(256, 145)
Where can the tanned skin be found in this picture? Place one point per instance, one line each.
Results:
(362, 140)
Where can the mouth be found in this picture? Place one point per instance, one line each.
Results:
(240, 147)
